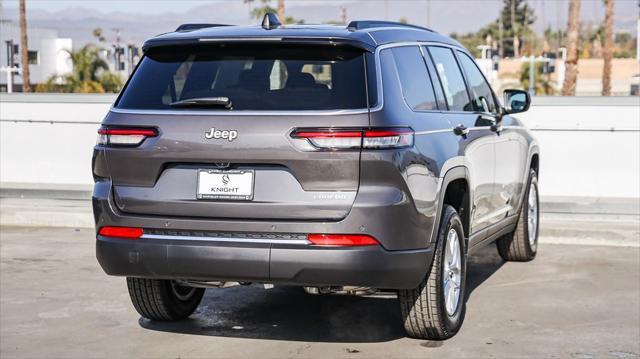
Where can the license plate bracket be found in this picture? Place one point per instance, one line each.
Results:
(235, 185)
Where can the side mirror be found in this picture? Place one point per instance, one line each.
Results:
(516, 101)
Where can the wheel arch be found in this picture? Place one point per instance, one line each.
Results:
(533, 162)
(455, 191)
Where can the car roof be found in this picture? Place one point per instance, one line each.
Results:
(367, 35)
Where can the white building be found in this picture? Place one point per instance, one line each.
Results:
(48, 54)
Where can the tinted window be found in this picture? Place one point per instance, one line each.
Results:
(256, 77)
(442, 104)
(480, 91)
(455, 90)
(414, 78)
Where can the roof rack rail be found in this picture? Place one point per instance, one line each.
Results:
(371, 24)
(191, 27)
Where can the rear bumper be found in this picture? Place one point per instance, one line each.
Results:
(400, 261)
(370, 266)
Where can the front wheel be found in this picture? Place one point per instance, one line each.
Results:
(436, 308)
(163, 300)
(521, 245)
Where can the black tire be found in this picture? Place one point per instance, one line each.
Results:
(423, 308)
(163, 300)
(516, 245)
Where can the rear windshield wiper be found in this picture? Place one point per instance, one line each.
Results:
(204, 102)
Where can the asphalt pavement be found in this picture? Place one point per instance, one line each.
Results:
(573, 301)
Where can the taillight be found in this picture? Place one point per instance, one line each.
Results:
(347, 139)
(121, 232)
(341, 240)
(120, 136)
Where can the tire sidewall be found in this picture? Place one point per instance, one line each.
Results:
(180, 307)
(533, 182)
(451, 220)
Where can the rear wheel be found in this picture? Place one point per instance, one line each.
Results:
(164, 300)
(522, 244)
(436, 308)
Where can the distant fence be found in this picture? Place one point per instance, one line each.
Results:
(590, 145)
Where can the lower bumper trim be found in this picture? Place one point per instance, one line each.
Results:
(245, 261)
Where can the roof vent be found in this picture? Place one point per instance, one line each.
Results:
(270, 21)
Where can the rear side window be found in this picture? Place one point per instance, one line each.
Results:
(455, 90)
(480, 89)
(437, 87)
(414, 78)
(254, 77)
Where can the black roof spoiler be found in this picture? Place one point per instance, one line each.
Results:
(191, 27)
(374, 24)
(153, 43)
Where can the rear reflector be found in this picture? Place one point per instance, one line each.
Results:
(341, 240)
(345, 139)
(124, 136)
(121, 232)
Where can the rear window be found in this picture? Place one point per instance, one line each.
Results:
(252, 77)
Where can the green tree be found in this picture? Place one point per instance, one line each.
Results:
(542, 84)
(90, 74)
(259, 12)
(516, 17)
(472, 40)
(508, 31)
(98, 34)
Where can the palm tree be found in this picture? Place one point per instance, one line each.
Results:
(607, 52)
(281, 15)
(259, 12)
(541, 84)
(24, 49)
(90, 74)
(571, 74)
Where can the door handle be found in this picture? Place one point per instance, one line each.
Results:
(494, 125)
(461, 130)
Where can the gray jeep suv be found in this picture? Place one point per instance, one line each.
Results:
(374, 155)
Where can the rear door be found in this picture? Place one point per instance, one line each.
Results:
(508, 143)
(206, 152)
(479, 145)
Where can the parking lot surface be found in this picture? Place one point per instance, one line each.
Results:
(573, 301)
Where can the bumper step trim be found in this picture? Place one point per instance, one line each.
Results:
(226, 239)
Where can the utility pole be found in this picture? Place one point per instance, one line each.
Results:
(501, 34)
(608, 49)
(24, 48)
(386, 9)
(429, 13)
(571, 75)
(516, 41)
(281, 13)
(116, 51)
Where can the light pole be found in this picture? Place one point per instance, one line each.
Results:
(532, 64)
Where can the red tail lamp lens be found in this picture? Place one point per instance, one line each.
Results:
(342, 240)
(124, 136)
(121, 232)
(349, 139)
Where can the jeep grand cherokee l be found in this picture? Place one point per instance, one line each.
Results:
(373, 155)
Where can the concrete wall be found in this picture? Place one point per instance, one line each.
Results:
(590, 146)
(48, 138)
